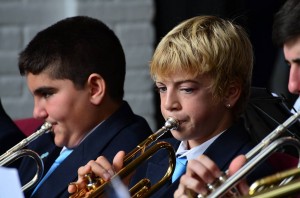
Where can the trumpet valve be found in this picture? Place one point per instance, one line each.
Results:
(93, 181)
(220, 180)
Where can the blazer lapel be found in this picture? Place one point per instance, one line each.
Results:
(233, 142)
(87, 150)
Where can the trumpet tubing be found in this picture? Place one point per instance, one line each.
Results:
(17, 152)
(132, 160)
(276, 179)
(139, 191)
(287, 190)
(259, 153)
(253, 163)
(275, 185)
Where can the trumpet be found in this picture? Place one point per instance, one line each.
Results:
(273, 186)
(17, 152)
(143, 188)
(260, 152)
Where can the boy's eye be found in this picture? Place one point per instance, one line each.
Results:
(187, 90)
(161, 89)
(45, 93)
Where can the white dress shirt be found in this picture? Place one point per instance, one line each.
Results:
(196, 151)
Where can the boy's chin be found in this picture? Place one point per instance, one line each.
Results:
(178, 135)
(58, 140)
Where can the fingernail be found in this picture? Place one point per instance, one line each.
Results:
(106, 176)
(111, 172)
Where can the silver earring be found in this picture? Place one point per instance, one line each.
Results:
(228, 106)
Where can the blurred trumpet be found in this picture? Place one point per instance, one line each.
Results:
(143, 188)
(260, 152)
(17, 152)
(276, 185)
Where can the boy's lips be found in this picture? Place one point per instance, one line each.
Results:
(53, 126)
(178, 119)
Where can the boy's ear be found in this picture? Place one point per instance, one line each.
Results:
(232, 95)
(97, 88)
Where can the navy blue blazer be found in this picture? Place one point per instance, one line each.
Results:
(227, 146)
(10, 134)
(122, 131)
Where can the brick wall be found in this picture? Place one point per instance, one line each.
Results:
(131, 20)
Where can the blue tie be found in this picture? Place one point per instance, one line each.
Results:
(56, 163)
(179, 168)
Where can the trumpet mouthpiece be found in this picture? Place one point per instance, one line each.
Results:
(171, 123)
(46, 126)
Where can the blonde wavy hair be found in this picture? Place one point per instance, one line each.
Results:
(207, 45)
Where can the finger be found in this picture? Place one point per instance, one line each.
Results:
(194, 184)
(82, 171)
(105, 164)
(210, 165)
(243, 187)
(180, 192)
(72, 188)
(236, 164)
(100, 171)
(203, 169)
(118, 161)
(81, 182)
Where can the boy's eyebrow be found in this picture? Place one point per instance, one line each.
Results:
(42, 90)
(186, 81)
(181, 81)
(296, 60)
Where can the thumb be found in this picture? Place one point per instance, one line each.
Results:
(118, 161)
(234, 166)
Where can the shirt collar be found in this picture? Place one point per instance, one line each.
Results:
(64, 148)
(195, 152)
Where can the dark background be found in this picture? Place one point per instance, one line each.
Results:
(255, 16)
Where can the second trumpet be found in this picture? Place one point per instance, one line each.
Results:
(141, 153)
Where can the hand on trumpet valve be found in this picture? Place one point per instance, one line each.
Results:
(200, 172)
(95, 173)
(203, 176)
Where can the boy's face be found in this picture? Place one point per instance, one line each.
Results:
(291, 51)
(66, 108)
(190, 100)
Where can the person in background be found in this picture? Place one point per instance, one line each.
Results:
(202, 69)
(75, 70)
(286, 34)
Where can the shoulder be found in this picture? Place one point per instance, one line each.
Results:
(10, 133)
